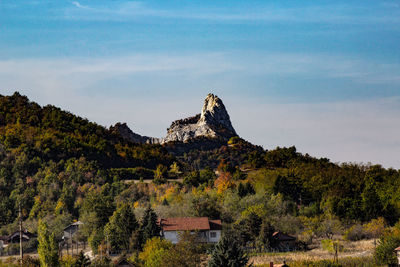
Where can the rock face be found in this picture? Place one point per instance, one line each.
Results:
(213, 122)
(126, 133)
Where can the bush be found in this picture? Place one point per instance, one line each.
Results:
(384, 252)
(28, 261)
(355, 233)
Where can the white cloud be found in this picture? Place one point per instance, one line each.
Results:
(338, 14)
(78, 5)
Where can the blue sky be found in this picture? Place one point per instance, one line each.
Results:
(321, 75)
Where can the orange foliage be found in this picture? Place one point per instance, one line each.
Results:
(223, 182)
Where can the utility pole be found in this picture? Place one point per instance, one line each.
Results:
(72, 245)
(21, 252)
(108, 251)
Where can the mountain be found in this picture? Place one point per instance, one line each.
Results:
(212, 123)
(53, 134)
(202, 140)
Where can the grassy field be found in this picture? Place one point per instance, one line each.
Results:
(359, 249)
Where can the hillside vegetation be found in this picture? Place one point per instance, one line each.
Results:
(60, 167)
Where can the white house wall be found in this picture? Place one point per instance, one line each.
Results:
(173, 236)
(216, 238)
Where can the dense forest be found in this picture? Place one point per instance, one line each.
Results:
(60, 168)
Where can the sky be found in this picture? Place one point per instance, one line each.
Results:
(323, 76)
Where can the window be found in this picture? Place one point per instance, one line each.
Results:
(213, 234)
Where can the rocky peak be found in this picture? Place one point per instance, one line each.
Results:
(215, 114)
(125, 132)
(213, 122)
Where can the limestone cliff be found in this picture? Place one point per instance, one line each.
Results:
(213, 122)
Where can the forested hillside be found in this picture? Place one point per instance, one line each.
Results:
(47, 154)
(61, 167)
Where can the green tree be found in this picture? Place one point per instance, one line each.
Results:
(120, 228)
(95, 239)
(228, 253)
(192, 179)
(47, 248)
(154, 251)
(160, 174)
(186, 253)
(266, 237)
(245, 189)
(82, 260)
(149, 226)
(384, 252)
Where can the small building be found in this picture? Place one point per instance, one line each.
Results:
(397, 250)
(124, 263)
(14, 238)
(284, 242)
(208, 231)
(26, 236)
(71, 229)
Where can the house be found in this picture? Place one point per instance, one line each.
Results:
(124, 263)
(397, 250)
(208, 231)
(284, 242)
(71, 229)
(26, 236)
(14, 237)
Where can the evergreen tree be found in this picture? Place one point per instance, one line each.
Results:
(150, 227)
(266, 236)
(82, 260)
(241, 190)
(120, 228)
(228, 253)
(47, 248)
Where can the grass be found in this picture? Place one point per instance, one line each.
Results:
(359, 252)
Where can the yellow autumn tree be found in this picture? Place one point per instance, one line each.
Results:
(223, 182)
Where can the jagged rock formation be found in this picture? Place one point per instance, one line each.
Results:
(213, 122)
(125, 132)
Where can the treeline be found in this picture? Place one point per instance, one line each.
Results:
(349, 191)
(49, 133)
(50, 159)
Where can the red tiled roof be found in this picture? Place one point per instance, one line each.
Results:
(189, 224)
(215, 225)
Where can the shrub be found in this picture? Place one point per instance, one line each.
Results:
(355, 233)
(384, 252)
(153, 251)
